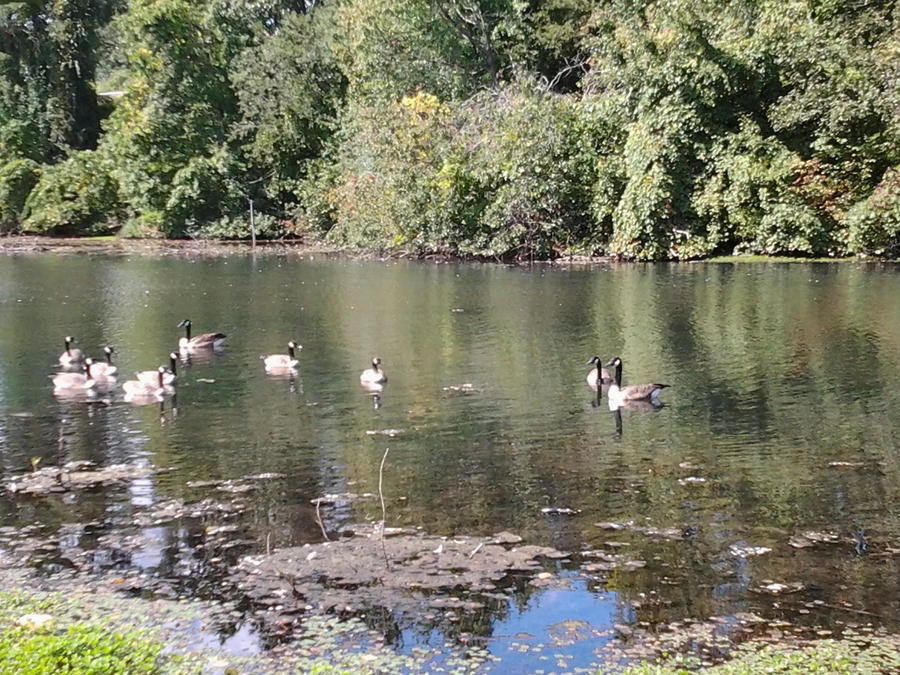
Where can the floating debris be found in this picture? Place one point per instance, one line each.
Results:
(466, 388)
(560, 511)
(341, 498)
(648, 530)
(847, 464)
(385, 432)
(748, 551)
(690, 480)
(777, 588)
(406, 571)
(811, 538)
(79, 475)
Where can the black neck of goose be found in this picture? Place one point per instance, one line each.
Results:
(187, 331)
(87, 370)
(291, 351)
(109, 358)
(160, 379)
(619, 375)
(172, 364)
(67, 348)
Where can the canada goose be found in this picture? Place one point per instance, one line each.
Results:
(598, 374)
(203, 341)
(72, 382)
(151, 377)
(281, 362)
(141, 389)
(620, 396)
(72, 356)
(373, 375)
(105, 370)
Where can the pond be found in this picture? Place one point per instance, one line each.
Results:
(766, 483)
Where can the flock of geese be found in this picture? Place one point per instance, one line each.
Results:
(80, 374)
(84, 375)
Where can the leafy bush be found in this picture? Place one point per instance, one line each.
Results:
(238, 227)
(874, 223)
(201, 192)
(80, 650)
(749, 201)
(505, 174)
(78, 195)
(17, 178)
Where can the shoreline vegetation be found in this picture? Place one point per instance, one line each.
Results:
(493, 130)
(22, 244)
(51, 623)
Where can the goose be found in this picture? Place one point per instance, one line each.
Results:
(72, 356)
(151, 377)
(203, 341)
(73, 382)
(276, 362)
(598, 375)
(141, 389)
(620, 396)
(373, 375)
(105, 370)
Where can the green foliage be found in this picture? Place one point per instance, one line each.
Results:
(175, 113)
(81, 650)
(849, 656)
(874, 223)
(17, 178)
(653, 130)
(77, 195)
(287, 116)
(506, 174)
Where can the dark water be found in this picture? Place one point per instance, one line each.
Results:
(777, 372)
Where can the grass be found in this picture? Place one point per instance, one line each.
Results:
(333, 647)
(65, 646)
(81, 648)
(853, 654)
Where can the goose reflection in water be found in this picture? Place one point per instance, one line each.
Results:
(373, 389)
(616, 407)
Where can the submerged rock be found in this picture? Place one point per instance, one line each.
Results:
(404, 571)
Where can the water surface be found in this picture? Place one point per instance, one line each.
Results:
(781, 420)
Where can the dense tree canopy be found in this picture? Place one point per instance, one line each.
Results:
(647, 129)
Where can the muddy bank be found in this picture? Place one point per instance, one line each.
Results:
(189, 248)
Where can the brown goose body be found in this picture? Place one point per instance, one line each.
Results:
(373, 375)
(202, 341)
(151, 377)
(634, 392)
(72, 357)
(71, 382)
(281, 362)
(598, 375)
(105, 371)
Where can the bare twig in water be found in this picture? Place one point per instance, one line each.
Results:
(383, 514)
(268, 548)
(477, 548)
(319, 519)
